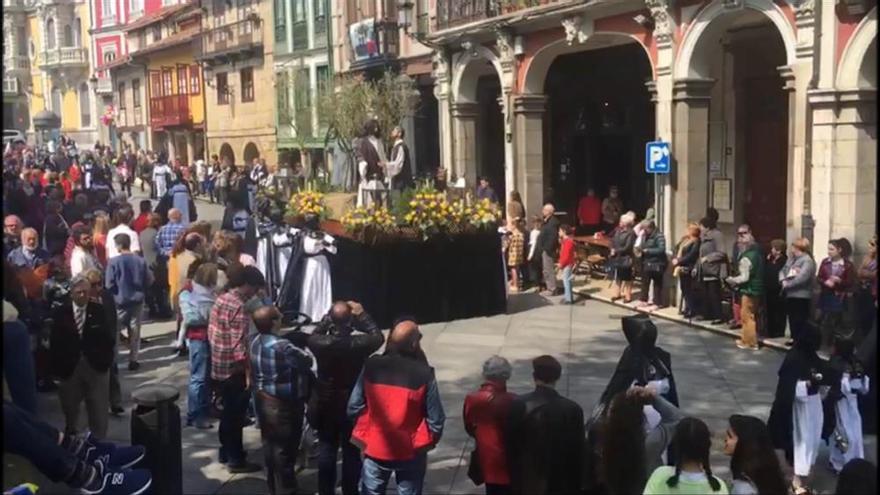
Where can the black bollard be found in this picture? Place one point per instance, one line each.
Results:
(155, 424)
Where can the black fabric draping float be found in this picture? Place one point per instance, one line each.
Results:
(442, 279)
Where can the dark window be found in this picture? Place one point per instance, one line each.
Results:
(280, 20)
(136, 92)
(182, 80)
(167, 85)
(195, 80)
(122, 96)
(222, 89)
(247, 84)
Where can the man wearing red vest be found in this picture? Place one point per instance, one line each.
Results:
(397, 412)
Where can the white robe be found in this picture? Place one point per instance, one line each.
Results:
(362, 173)
(159, 175)
(807, 419)
(316, 296)
(849, 421)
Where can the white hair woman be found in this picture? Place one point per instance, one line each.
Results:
(621, 260)
(484, 414)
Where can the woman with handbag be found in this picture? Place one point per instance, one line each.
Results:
(621, 260)
(654, 261)
(485, 415)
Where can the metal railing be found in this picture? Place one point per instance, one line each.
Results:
(18, 62)
(138, 114)
(169, 110)
(67, 55)
(451, 13)
(244, 34)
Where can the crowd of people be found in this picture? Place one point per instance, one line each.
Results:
(82, 269)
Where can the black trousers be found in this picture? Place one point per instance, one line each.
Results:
(866, 312)
(281, 425)
(798, 311)
(686, 282)
(775, 311)
(236, 399)
(711, 299)
(654, 278)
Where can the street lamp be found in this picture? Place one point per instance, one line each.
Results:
(405, 14)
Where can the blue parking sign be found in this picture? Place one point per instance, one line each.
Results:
(658, 158)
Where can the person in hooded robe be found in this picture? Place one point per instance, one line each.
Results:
(866, 353)
(370, 153)
(842, 427)
(796, 416)
(181, 198)
(317, 292)
(161, 174)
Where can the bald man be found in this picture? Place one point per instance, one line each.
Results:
(281, 374)
(548, 246)
(397, 412)
(169, 233)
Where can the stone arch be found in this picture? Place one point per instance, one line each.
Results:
(684, 64)
(226, 153)
(539, 66)
(465, 73)
(860, 51)
(250, 152)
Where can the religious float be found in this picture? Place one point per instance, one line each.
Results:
(433, 256)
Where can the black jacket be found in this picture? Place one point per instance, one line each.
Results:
(340, 356)
(545, 444)
(689, 256)
(66, 345)
(548, 239)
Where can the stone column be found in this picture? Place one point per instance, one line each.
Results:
(444, 109)
(529, 113)
(844, 176)
(797, 79)
(690, 151)
(464, 130)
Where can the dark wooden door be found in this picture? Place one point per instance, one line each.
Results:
(766, 146)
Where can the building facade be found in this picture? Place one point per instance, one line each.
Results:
(236, 55)
(769, 107)
(302, 72)
(110, 18)
(368, 39)
(47, 66)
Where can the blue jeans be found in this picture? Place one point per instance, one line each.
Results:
(410, 475)
(18, 366)
(198, 398)
(567, 277)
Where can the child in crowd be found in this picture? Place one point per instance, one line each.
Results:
(692, 473)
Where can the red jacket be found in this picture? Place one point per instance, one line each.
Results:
(141, 222)
(566, 253)
(485, 419)
(392, 405)
(589, 211)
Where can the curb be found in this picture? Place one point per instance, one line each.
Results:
(677, 319)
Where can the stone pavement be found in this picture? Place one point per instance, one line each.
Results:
(714, 380)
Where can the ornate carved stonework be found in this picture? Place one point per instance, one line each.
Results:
(504, 42)
(469, 48)
(574, 29)
(663, 29)
(805, 10)
(441, 64)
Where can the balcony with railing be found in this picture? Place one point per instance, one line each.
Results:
(11, 6)
(377, 48)
(20, 63)
(453, 13)
(64, 57)
(235, 41)
(171, 110)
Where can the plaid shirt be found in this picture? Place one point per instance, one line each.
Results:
(227, 329)
(278, 366)
(167, 236)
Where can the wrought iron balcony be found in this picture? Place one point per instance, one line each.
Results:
(452, 13)
(238, 40)
(104, 86)
(171, 110)
(63, 57)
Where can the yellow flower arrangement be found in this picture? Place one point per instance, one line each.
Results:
(376, 218)
(307, 203)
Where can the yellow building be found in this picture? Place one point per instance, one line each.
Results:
(163, 45)
(236, 53)
(47, 66)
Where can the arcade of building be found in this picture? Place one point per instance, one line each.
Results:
(769, 107)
